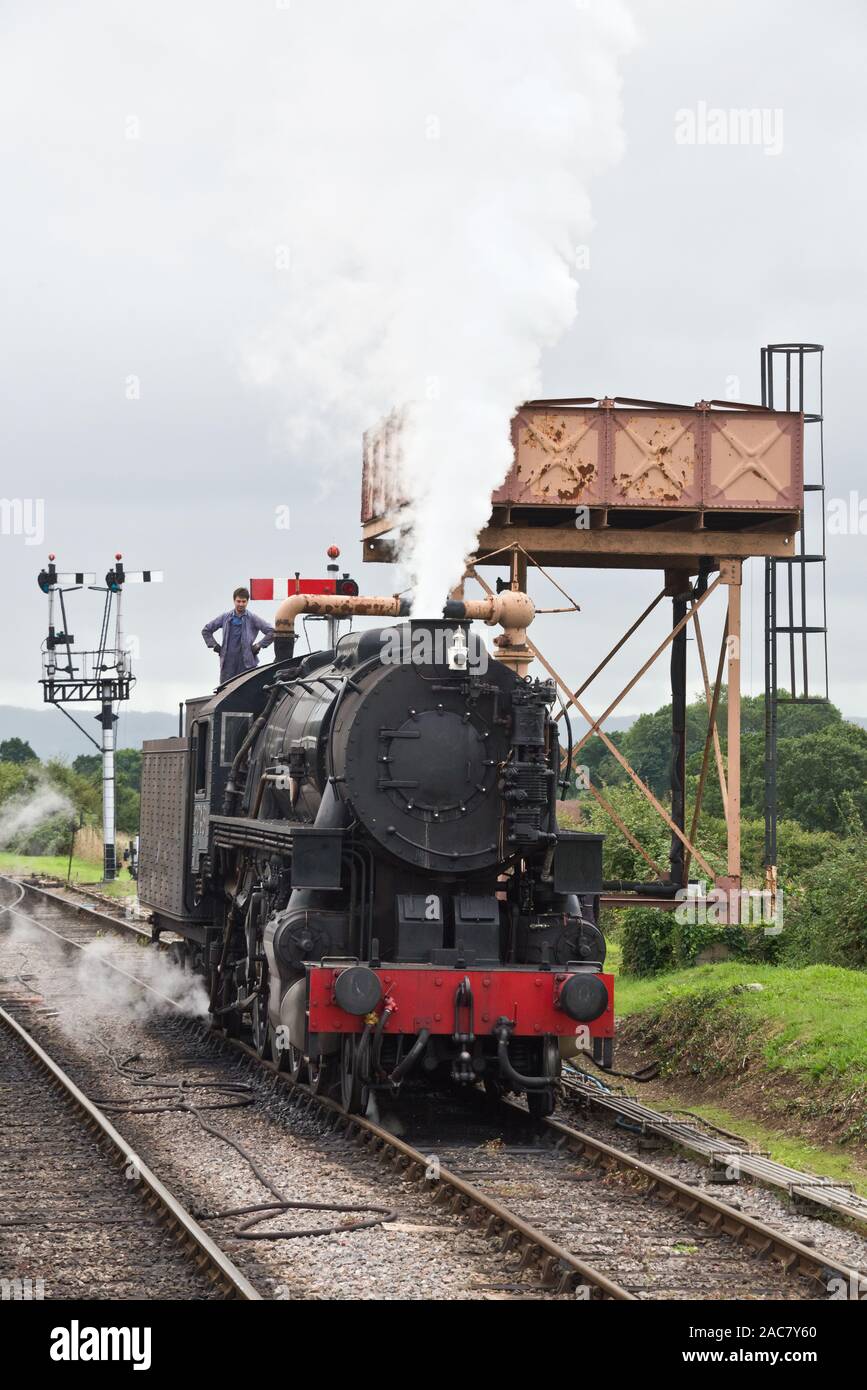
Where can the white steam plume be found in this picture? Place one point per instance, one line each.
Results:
(434, 163)
(122, 998)
(405, 183)
(100, 995)
(27, 810)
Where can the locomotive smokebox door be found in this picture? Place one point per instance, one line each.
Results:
(316, 857)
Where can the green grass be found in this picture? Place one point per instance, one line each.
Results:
(817, 1014)
(809, 1023)
(57, 864)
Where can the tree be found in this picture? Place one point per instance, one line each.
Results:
(821, 758)
(17, 779)
(88, 764)
(127, 768)
(816, 771)
(16, 750)
(127, 761)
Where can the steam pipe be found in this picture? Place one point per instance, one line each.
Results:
(329, 606)
(658, 888)
(510, 608)
(514, 612)
(233, 789)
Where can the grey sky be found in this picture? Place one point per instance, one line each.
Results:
(119, 260)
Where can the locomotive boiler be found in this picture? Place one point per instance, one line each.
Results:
(359, 849)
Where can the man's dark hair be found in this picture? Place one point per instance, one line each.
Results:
(241, 593)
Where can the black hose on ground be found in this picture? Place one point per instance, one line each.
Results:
(236, 1094)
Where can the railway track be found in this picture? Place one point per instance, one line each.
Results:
(627, 1231)
(719, 1149)
(83, 1215)
(539, 1259)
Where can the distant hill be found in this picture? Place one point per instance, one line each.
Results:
(51, 735)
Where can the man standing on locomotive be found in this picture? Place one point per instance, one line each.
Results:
(239, 650)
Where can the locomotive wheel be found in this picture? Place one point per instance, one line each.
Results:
(320, 1073)
(260, 1028)
(231, 1021)
(296, 1063)
(541, 1103)
(354, 1052)
(279, 1055)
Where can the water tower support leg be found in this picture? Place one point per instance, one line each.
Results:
(677, 586)
(730, 573)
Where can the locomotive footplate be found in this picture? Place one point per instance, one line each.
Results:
(535, 1002)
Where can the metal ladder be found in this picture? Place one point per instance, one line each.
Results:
(786, 368)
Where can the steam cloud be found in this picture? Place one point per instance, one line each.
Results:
(409, 181)
(99, 996)
(28, 810)
(123, 999)
(434, 163)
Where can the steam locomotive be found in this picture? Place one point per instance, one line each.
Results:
(359, 850)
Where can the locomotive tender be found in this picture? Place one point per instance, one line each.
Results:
(360, 850)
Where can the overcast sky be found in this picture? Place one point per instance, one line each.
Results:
(125, 255)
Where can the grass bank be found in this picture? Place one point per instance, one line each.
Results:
(83, 870)
(783, 1048)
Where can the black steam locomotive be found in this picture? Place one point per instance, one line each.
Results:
(360, 850)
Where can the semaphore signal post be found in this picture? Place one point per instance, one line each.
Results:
(100, 675)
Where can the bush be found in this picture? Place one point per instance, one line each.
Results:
(51, 836)
(703, 1034)
(653, 940)
(741, 942)
(798, 850)
(825, 917)
(647, 938)
(619, 859)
